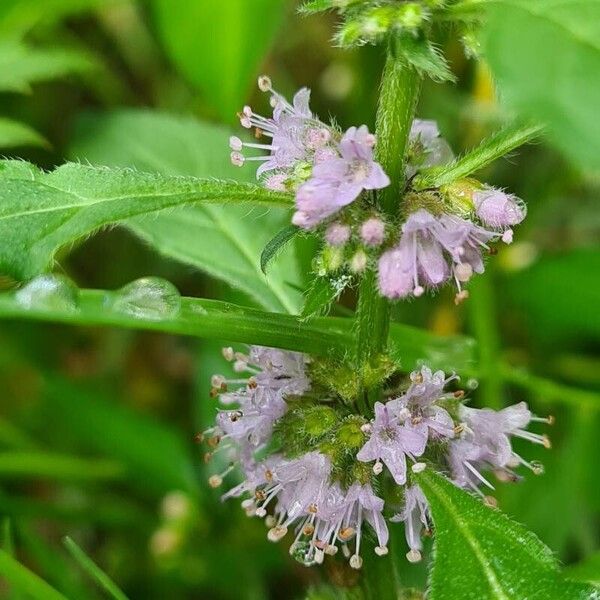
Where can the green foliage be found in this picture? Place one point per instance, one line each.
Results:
(235, 40)
(480, 553)
(492, 148)
(21, 65)
(42, 212)
(115, 431)
(13, 133)
(587, 570)
(92, 569)
(276, 244)
(421, 53)
(225, 242)
(322, 293)
(25, 580)
(558, 91)
(558, 292)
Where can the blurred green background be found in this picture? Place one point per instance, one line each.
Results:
(97, 425)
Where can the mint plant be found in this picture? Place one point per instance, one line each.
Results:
(329, 428)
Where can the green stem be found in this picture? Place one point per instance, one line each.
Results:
(400, 87)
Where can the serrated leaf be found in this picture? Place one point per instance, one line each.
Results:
(14, 133)
(321, 294)
(21, 65)
(41, 212)
(481, 554)
(223, 241)
(277, 243)
(557, 88)
(424, 56)
(490, 149)
(223, 62)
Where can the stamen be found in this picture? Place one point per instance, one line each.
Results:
(381, 550)
(461, 297)
(227, 353)
(478, 474)
(356, 561)
(419, 467)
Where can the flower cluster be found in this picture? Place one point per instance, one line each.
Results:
(326, 169)
(310, 466)
(434, 248)
(444, 232)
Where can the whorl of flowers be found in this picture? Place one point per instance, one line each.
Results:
(443, 233)
(312, 467)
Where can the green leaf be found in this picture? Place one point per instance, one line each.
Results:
(424, 56)
(18, 16)
(587, 570)
(13, 133)
(46, 465)
(557, 90)
(21, 66)
(278, 242)
(42, 212)
(217, 320)
(93, 570)
(321, 294)
(482, 554)
(219, 46)
(25, 580)
(223, 241)
(496, 146)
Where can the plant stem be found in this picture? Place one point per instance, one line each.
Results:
(400, 87)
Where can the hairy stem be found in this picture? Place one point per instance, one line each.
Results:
(400, 87)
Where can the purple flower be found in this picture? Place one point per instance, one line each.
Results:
(485, 443)
(338, 181)
(417, 259)
(296, 136)
(428, 148)
(417, 404)
(391, 442)
(415, 516)
(497, 209)
(337, 234)
(372, 232)
(253, 409)
(430, 249)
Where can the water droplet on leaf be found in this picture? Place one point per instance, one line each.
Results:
(49, 292)
(301, 551)
(148, 298)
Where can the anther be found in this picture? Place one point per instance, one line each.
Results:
(413, 556)
(381, 550)
(264, 83)
(419, 467)
(237, 159)
(215, 481)
(346, 533)
(276, 533)
(377, 468)
(461, 297)
(356, 561)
